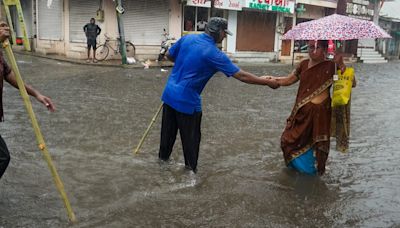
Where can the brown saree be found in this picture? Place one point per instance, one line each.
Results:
(308, 126)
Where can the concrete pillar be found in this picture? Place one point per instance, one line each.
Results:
(232, 26)
(66, 27)
(384, 46)
(278, 29)
(110, 20)
(377, 9)
(175, 18)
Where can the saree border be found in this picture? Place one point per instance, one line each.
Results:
(306, 100)
(300, 152)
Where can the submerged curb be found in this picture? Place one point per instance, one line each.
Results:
(137, 65)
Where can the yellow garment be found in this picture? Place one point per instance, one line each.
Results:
(342, 87)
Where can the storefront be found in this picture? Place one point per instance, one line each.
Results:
(390, 48)
(306, 10)
(80, 13)
(257, 24)
(27, 11)
(360, 9)
(196, 14)
(311, 12)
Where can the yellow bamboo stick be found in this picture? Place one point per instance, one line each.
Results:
(148, 130)
(39, 137)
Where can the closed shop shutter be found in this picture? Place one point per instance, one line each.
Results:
(255, 31)
(80, 13)
(50, 20)
(145, 20)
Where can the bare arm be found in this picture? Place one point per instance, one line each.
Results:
(10, 78)
(286, 80)
(250, 78)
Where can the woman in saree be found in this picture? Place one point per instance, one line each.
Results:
(305, 141)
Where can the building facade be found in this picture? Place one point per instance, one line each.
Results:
(390, 21)
(56, 27)
(305, 10)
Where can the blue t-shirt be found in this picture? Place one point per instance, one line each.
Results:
(197, 59)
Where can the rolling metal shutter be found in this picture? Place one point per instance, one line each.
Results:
(80, 13)
(50, 21)
(145, 20)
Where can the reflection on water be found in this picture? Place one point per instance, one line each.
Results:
(241, 182)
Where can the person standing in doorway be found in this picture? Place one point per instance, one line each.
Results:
(91, 31)
(197, 58)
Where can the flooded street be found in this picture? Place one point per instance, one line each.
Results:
(242, 181)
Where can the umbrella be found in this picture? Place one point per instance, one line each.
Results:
(335, 27)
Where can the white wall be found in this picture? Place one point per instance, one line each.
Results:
(175, 18)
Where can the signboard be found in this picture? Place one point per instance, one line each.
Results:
(220, 4)
(361, 9)
(283, 6)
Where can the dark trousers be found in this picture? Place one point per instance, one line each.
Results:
(4, 157)
(189, 129)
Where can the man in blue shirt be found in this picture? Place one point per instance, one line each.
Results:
(197, 58)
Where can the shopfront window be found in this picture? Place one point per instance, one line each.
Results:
(202, 18)
(190, 18)
(196, 18)
(218, 13)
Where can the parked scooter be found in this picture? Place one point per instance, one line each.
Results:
(166, 44)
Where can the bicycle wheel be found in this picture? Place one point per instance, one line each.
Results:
(130, 49)
(102, 52)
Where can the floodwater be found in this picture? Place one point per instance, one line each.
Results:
(241, 181)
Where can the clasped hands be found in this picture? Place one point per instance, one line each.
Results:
(272, 81)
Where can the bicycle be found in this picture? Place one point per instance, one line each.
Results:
(103, 50)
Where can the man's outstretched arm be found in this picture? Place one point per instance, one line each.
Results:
(250, 78)
(10, 78)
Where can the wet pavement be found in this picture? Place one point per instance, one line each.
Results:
(102, 113)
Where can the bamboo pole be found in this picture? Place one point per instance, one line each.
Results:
(148, 130)
(39, 137)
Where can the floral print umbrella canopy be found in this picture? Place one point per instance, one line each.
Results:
(335, 27)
